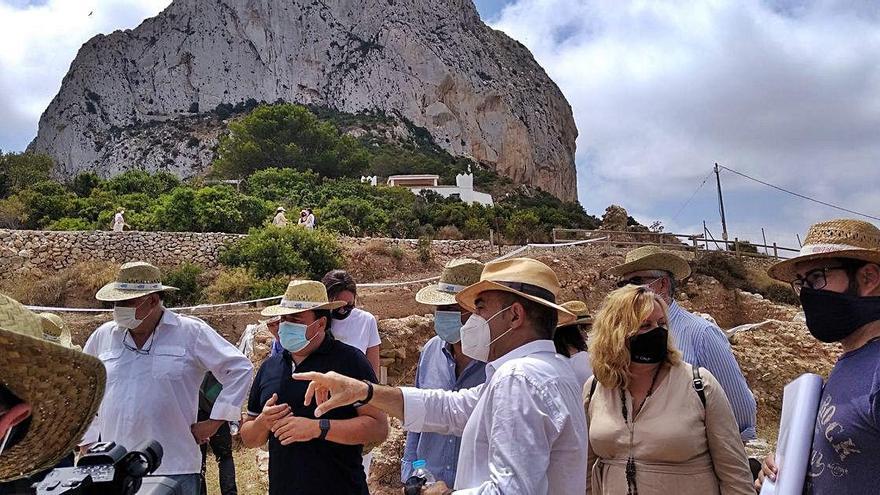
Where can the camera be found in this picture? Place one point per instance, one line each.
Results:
(109, 469)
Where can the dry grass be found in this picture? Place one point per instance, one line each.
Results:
(75, 285)
(249, 478)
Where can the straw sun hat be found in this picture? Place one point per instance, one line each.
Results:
(54, 330)
(63, 386)
(135, 279)
(301, 296)
(653, 258)
(458, 274)
(842, 238)
(580, 310)
(525, 277)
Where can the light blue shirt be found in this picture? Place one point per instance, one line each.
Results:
(437, 371)
(702, 344)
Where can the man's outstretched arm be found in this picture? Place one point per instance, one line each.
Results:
(332, 390)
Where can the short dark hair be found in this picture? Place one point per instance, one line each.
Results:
(337, 281)
(19, 431)
(851, 267)
(543, 318)
(569, 336)
(324, 313)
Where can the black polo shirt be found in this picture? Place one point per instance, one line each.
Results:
(318, 467)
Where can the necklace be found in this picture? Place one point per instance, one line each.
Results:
(631, 486)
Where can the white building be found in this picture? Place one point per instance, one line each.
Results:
(463, 188)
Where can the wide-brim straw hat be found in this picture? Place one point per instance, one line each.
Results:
(135, 279)
(653, 258)
(302, 296)
(458, 274)
(580, 311)
(280, 208)
(54, 330)
(63, 386)
(525, 277)
(841, 238)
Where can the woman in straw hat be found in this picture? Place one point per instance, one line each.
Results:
(571, 343)
(650, 431)
(48, 395)
(308, 455)
(156, 361)
(837, 278)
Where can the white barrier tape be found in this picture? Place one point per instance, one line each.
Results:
(265, 299)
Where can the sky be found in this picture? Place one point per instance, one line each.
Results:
(786, 91)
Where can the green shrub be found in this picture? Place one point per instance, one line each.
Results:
(725, 268)
(186, 278)
(476, 228)
(396, 252)
(290, 251)
(424, 248)
(68, 223)
(781, 293)
(449, 232)
(239, 284)
(522, 227)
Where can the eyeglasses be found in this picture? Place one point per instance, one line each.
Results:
(637, 281)
(814, 279)
(134, 348)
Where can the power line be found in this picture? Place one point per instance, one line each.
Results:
(675, 217)
(814, 200)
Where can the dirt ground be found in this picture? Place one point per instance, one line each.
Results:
(770, 355)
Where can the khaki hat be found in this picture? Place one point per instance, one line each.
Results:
(280, 208)
(135, 279)
(580, 310)
(54, 330)
(458, 274)
(653, 258)
(302, 296)
(525, 277)
(63, 386)
(842, 238)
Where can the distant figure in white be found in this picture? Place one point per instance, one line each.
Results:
(307, 218)
(119, 221)
(280, 220)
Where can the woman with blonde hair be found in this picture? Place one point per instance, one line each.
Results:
(656, 425)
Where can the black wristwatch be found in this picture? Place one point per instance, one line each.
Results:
(324, 425)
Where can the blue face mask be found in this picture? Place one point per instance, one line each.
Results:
(293, 336)
(447, 324)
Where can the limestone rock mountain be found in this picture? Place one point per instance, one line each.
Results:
(143, 98)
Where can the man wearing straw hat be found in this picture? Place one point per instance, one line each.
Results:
(837, 278)
(443, 366)
(308, 455)
(156, 361)
(701, 343)
(524, 430)
(48, 394)
(280, 220)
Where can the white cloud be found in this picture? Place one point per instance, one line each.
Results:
(785, 91)
(38, 41)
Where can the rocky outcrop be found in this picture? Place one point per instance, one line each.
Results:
(139, 98)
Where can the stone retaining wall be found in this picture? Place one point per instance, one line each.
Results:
(30, 251)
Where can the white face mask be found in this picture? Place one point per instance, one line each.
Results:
(125, 317)
(476, 336)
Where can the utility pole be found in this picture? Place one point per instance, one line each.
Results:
(721, 203)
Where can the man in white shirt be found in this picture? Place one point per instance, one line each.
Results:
(524, 430)
(156, 361)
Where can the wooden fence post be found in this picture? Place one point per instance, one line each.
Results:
(736, 247)
(775, 251)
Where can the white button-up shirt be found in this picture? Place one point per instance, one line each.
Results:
(155, 396)
(523, 431)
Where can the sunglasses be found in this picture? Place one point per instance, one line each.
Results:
(637, 281)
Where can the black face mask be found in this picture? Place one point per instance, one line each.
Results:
(342, 313)
(649, 347)
(833, 316)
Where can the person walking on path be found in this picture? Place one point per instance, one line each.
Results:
(656, 424)
(701, 343)
(119, 220)
(280, 220)
(837, 278)
(524, 430)
(156, 361)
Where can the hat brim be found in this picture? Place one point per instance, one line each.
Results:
(679, 268)
(468, 296)
(785, 271)
(279, 310)
(64, 388)
(586, 320)
(109, 293)
(433, 296)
